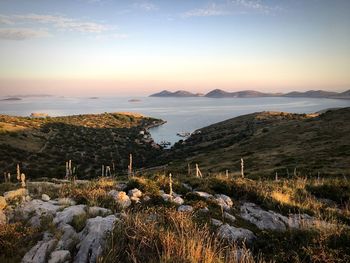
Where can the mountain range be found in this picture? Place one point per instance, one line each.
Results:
(218, 93)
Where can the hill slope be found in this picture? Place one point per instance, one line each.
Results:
(270, 142)
(43, 145)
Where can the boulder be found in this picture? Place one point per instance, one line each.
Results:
(34, 210)
(224, 201)
(45, 197)
(123, 200)
(235, 234)
(69, 238)
(41, 251)
(19, 193)
(113, 193)
(3, 202)
(166, 197)
(98, 211)
(203, 194)
(263, 219)
(178, 200)
(67, 215)
(185, 208)
(93, 238)
(60, 256)
(3, 219)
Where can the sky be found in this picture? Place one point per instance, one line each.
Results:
(106, 47)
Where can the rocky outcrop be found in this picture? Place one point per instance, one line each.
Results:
(224, 201)
(60, 256)
(98, 211)
(67, 215)
(93, 238)
(41, 251)
(235, 234)
(69, 238)
(263, 219)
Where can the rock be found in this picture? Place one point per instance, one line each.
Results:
(93, 238)
(3, 219)
(203, 194)
(19, 193)
(98, 211)
(229, 217)
(66, 201)
(263, 219)
(36, 209)
(45, 197)
(235, 234)
(306, 221)
(216, 222)
(135, 193)
(224, 201)
(28, 198)
(69, 238)
(60, 256)
(123, 200)
(40, 252)
(185, 208)
(67, 215)
(178, 200)
(3, 202)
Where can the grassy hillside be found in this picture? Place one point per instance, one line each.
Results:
(43, 145)
(270, 142)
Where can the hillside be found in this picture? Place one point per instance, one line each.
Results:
(43, 145)
(271, 142)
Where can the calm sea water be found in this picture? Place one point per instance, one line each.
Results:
(181, 114)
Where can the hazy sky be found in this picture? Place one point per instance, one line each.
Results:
(102, 47)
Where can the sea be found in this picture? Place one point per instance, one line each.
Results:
(182, 115)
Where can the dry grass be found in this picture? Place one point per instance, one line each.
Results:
(169, 236)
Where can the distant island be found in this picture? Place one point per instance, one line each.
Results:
(218, 93)
(11, 98)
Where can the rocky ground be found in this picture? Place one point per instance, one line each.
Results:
(73, 229)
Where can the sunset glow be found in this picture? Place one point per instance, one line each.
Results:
(108, 47)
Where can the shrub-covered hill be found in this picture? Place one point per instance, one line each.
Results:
(271, 142)
(43, 145)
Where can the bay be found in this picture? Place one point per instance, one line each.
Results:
(181, 114)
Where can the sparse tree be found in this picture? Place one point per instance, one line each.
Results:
(23, 180)
(242, 167)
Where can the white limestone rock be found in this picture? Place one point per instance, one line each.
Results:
(60, 256)
(98, 211)
(235, 234)
(67, 215)
(224, 201)
(45, 197)
(263, 219)
(69, 238)
(41, 251)
(93, 238)
(178, 200)
(203, 194)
